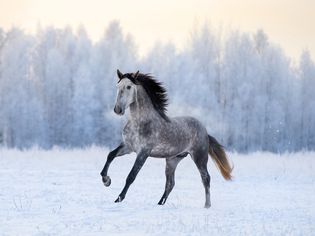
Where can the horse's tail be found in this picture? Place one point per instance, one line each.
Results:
(219, 157)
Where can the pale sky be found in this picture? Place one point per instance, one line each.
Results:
(289, 23)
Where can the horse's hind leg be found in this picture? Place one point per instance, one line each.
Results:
(171, 164)
(201, 159)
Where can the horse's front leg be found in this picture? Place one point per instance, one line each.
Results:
(140, 160)
(122, 149)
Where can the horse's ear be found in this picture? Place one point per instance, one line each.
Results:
(119, 74)
(135, 75)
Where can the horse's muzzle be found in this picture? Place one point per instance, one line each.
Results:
(118, 110)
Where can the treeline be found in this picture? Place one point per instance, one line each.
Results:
(57, 88)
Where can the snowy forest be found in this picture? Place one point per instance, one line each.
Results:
(58, 87)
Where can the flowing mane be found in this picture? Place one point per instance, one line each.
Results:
(155, 91)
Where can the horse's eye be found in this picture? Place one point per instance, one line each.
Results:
(128, 87)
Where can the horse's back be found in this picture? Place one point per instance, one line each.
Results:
(190, 123)
(192, 126)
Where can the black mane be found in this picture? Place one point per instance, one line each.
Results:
(154, 89)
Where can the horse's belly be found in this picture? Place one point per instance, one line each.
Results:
(164, 151)
(136, 143)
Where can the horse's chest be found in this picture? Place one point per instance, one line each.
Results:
(137, 134)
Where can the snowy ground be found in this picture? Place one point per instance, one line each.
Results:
(61, 193)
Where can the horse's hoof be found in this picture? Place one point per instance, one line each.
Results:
(106, 180)
(162, 201)
(207, 206)
(119, 199)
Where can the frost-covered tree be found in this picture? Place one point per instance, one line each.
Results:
(240, 70)
(113, 51)
(2, 40)
(57, 83)
(20, 111)
(85, 103)
(307, 69)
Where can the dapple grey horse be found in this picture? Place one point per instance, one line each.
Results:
(150, 132)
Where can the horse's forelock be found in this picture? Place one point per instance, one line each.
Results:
(128, 76)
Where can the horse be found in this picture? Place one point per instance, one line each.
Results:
(149, 131)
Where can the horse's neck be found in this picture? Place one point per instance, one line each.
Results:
(142, 109)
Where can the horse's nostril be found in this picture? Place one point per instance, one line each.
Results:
(117, 110)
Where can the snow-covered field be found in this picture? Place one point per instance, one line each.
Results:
(60, 193)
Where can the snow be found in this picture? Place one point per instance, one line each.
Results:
(59, 192)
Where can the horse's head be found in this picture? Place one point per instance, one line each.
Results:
(126, 90)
